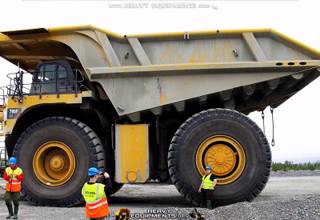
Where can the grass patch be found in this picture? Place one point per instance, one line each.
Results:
(288, 165)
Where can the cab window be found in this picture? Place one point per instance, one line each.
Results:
(46, 73)
(62, 72)
(40, 74)
(49, 73)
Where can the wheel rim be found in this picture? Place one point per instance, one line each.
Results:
(54, 163)
(225, 155)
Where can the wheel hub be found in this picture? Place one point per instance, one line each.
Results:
(54, 163)
(224, 154)
(222, 158)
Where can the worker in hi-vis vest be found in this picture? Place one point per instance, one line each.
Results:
(94, 194)
(208, 183)
(14, 176)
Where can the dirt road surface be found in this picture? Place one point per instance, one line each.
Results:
(285, 197)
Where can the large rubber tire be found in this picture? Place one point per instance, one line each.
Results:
(182, 153)
(85, 145)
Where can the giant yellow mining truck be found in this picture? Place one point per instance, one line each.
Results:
(146, 107)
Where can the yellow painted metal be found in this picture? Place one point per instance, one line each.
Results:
(201, 33)
(226, 156)
(35, 100)
(223, 158)
(99, 54)
(159, 36)
(199, 66)
(8, 126)
(32, 100)
(54, 163)
(132, 153)
(191, 34)
(1, 113)
(155, 35)
(296, 42)
(69, 29)
(4, 37)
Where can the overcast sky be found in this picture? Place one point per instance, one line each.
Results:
(297, 121)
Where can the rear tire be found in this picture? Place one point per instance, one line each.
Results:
(184, 171)
(81, 140)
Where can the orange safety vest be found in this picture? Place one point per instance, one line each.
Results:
(97, 210)
(14, 185)
(96, 200)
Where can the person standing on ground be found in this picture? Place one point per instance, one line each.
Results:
(208, 183)
(94, 194)
(14, 176)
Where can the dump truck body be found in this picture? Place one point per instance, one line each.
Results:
(168, 62)
(142, 98)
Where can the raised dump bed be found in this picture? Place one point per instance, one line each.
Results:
(248, 69)
(175, 98)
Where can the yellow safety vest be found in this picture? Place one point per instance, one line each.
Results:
(207, 183)
(96, 200)
(93, 192)
(14, 185)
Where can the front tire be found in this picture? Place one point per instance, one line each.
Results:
(230, 142)
(55, 154)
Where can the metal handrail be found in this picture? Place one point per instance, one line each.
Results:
(2, 95)
(3, 158)
(18, 88)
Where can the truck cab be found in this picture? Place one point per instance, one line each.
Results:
(53, 77)
(49, 77)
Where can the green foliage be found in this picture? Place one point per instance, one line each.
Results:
(288, 165)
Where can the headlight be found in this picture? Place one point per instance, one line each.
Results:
(13, 113)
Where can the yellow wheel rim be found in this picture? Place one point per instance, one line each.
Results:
(54, 163)
(225, 155)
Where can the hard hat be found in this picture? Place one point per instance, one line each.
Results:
(12, 160)
(93, 171)
(208, 167)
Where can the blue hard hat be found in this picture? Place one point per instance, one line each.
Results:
(12, 160)
(93, 171)
(208, 167)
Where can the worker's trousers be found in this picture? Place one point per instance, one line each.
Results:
(14, 197)
(204, 195)
(205, 199)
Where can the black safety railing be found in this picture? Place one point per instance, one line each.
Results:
(3, 160)
(23, 83)
(2, 95)
(3, 156)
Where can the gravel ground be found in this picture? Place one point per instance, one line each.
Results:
(296, 173)
(285, 197)
(301, 207)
